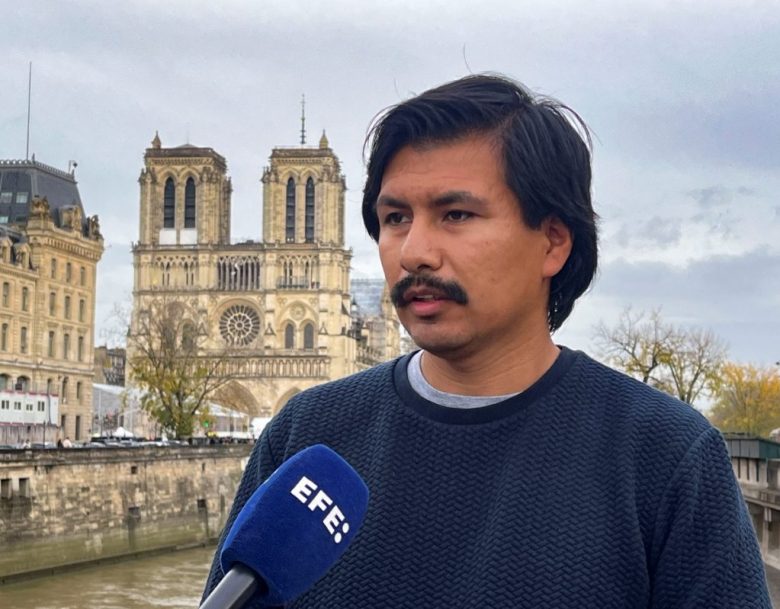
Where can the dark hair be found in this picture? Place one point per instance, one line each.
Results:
(546, 152)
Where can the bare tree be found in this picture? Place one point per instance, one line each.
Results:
(117, 323)
(680, 361)
(169, 362)
(639, 345)
(694, 363)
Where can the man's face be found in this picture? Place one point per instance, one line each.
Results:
(467, 273)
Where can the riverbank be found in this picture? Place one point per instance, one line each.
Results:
(67, 509)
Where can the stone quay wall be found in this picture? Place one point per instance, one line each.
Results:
(63, 507)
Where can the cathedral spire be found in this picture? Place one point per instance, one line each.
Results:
(303, 119)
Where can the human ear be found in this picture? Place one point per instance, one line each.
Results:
(559, 243)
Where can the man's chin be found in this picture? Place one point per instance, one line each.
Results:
(445, 347)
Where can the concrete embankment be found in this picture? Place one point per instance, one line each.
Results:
(73, 506)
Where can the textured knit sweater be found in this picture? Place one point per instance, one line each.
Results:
(589, 489)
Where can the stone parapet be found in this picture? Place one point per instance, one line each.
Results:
(69, 506)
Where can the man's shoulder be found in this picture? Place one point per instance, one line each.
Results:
(646, 408)
(367, 379)
(332, 412)
(344, 393)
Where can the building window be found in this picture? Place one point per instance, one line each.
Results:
(82, 276)
(169, 204)
(65, 345)
(188, 337)
(25, 299)
(289, 231)
(54, 268)
(51, 343)
(52, 303)
(80, 349)
(4, 337)
(82, 309)
(189, 204)
(308, 336)
(309, 210)
(78, 392)
(6, 293)
(77, 435)
(23, 340)
(64, 393)
(67, 307)
(68, 272)
(239, 325)
(289, 337)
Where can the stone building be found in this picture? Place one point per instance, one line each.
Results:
(278, 313)
(49, 250)
(110, 365)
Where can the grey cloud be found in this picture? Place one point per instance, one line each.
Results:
(719, 196)
(737, 296)
(662, 231)
(655, 232)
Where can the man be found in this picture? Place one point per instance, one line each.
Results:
(506, 471)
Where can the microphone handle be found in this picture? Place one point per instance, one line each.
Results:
(238, 585)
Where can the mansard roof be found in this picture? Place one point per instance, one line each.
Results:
(22, 180)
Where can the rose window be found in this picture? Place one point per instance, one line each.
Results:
(239, 325)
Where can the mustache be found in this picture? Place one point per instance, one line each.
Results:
(449, 289)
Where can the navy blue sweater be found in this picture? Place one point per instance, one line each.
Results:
(589, 489)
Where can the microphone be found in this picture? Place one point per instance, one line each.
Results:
(292, 529)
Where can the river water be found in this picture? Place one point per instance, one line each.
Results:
(172, 581)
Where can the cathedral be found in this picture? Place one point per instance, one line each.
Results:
(281, 315)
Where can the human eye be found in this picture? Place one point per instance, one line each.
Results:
(394, 218)
(458, 215)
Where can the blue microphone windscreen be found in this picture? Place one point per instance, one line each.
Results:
(297, 523)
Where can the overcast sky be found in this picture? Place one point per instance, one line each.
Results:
(683, 99)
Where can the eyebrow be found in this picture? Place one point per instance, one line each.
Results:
(448, 198)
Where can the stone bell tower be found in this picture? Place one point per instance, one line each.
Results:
(303, 196)
(185, 196)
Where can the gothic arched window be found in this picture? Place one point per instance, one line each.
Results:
(308, 336)
(309, 210)
(189, 204)
(289, 224)
(289, 337)
(188, 337)
(169, 204)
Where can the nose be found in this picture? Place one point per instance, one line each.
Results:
(420, 249)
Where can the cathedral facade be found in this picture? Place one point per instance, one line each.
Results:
(279, 315)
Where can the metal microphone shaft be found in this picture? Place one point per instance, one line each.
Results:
(238, 585)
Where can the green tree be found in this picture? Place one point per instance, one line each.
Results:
(680, 361)
(169, 362)
(746, 399)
